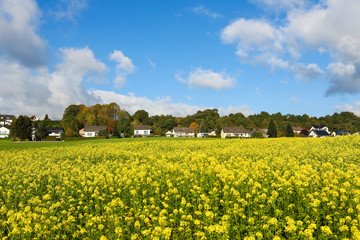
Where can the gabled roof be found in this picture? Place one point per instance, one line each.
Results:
(5, 128)
(184, 129)
(94, 128)
(142, 127)
(263, 130)
(6, 117)
(235, 130)
(321, 133)
(297, 128)
(318, 126)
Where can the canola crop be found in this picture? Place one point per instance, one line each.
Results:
(288, 188)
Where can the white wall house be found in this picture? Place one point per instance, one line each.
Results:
(184, 132)
(91, 131)
(320, 128)
(142, 130)
(6, 119)
(4, 132)
(235, 132)
(55, 132)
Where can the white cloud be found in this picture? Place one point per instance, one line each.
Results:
(132, 103)
(202, 10)
(19, 41)
(326, 27)
(207, 78)
(124, 67)
(341, 69)
(69, 9)
(343, 78)
(281, 5)
(152, 63)
(244, 109)
(355, 108)
(307, 72)
(66, 81)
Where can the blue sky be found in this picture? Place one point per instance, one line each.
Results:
(177, 57)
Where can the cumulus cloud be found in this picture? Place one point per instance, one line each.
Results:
(307, 72)
(326, 27)
(132, 103)
(355, 108)
(124, 67)
(208, 78)
(69, 9)
(66, 82)
(19, 40)
(202, 10)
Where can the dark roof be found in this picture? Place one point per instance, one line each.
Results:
(319, 126)
(94, 128)
(55, 129)
(6, 117)
(235, 130)
(321, 133)
(184, 129)
(142, 127)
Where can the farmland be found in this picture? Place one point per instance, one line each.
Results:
(284, 188)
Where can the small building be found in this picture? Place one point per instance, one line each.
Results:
(202, 135)
(235, 132)
(4, 132)
(320, 128)
(142, 130)
(183, 132)
(297, 129)
(92, 131)
(6, 119)
(319, 133)
(34, 118)
(169, 134)
(264, 132)
(55, 132)
(340, 133)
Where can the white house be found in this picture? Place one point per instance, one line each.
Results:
(183, 132)
(201, 135)
(235, 132)
(55, 132)
(319, 133)
(4, 132)
(6, 119)
(297, 129)
(142, 130)
(320, 128)
(169, 134)
(34, 118)
(91, 131)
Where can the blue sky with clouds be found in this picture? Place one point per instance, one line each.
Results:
(177, 57)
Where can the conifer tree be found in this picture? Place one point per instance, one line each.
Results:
(272, 130)
(289, 131)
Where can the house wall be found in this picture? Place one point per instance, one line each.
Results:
(224, 135)
(91, 134)
(183, 134)
(4, 132)
(141, 132)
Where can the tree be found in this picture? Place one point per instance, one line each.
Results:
(123, 128)
(40, 130)
(272, 130)
(23, 128)
(195, 126)
(289, 131)
(202, 128)
(142, 117)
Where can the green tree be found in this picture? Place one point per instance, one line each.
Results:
(123, 128)
(23, 128)
(40, 130)
(289, 131)
(202, 128)
(272, 130)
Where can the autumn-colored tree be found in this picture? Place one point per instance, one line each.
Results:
(195, 126)
(110, 125)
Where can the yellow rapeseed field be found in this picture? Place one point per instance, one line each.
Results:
(288, 188)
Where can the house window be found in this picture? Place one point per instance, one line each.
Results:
(88, 134)
(137, 132)
(228, 135)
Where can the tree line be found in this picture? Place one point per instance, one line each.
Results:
(120, 122)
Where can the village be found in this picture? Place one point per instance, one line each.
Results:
(193, 131)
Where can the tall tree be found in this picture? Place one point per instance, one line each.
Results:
(23, 128)
(202, 128)
(289, 131)
(123, 128)
(272, 130)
